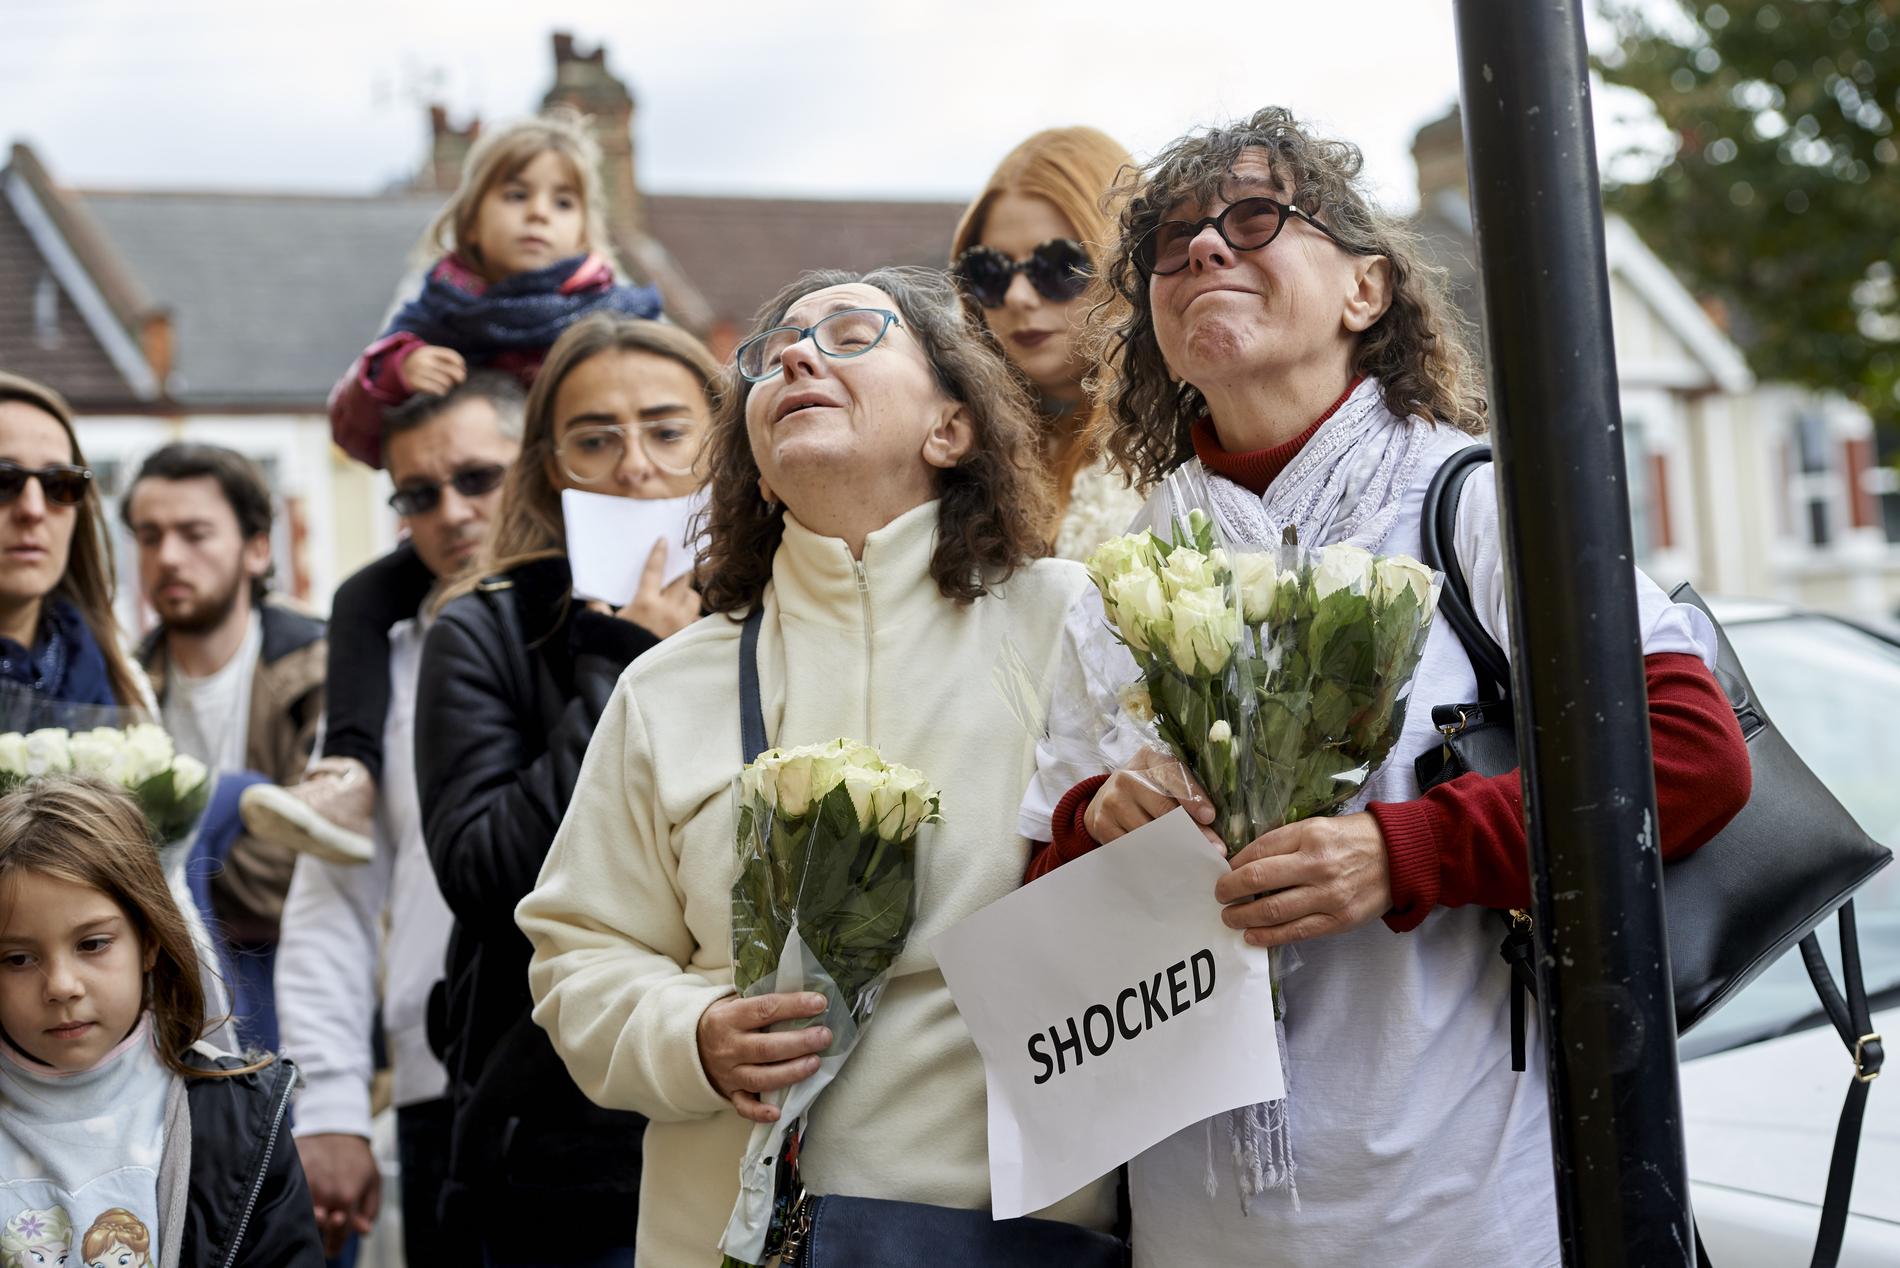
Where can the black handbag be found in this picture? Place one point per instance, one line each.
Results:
(1792, 857)
(835, 1231)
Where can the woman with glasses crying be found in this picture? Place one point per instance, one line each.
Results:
(516, 673)
(59, 641)
(877, 509)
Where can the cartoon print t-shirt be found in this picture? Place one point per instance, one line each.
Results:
(79, 1159)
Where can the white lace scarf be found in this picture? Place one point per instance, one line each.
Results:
(1345, 485)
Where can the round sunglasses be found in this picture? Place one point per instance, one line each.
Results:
(1246, 225)
(62, 483)
(1059, 269)
(424, 496)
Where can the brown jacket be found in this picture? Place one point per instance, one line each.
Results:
(286, 702)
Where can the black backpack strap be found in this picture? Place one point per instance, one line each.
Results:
(1438, 532)
(751, 711)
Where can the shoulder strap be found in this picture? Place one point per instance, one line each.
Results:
(1852, 1020)
(751, 711)
(1438, 533)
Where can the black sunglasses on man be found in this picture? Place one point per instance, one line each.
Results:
(422, 496)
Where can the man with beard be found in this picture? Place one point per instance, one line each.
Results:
(238, 672)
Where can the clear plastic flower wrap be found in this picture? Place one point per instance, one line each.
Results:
(824, 901)
(1277, 674)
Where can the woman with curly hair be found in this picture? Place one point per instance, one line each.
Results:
(877, 501)
(1283, 336)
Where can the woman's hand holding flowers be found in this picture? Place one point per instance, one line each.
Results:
(742, 1058)
(1308, 879)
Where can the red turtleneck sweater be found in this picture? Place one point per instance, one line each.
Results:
(1464, 841)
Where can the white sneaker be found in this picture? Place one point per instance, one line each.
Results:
(328, 816)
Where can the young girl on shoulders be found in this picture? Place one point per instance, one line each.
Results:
(524, 254)
(124, 1137)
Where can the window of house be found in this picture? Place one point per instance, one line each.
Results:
(1883, 480)
(1639, 470)
(1812, 491)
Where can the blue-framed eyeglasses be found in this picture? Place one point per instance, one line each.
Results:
(849, 332)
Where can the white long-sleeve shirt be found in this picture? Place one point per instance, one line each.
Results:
(334, 952)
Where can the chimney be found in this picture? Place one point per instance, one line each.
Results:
(1438, 149)
(155, 342)
(448, 148)
(582, 80)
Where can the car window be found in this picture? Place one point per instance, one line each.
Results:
(1834, 691)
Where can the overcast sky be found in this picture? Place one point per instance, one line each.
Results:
(917, 98)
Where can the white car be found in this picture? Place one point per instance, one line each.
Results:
(1763, 1079)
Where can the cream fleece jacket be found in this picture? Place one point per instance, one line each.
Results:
(631, 918)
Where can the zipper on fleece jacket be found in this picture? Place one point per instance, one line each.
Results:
(289, 1083)
(864, 602)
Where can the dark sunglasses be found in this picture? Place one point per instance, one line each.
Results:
(420, 499)
(1059, 269)
(1246, 225)
(62, 483)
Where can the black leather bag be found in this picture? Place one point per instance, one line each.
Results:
(1791, 858)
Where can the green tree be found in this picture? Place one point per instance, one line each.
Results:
(1781, 197)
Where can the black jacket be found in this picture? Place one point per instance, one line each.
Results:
(502, 722)
(248, 1205)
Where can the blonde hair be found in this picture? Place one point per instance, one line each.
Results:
(528, 524)
(83, 830)
(121, 1226)
(501, 155)
(53, 1228)
(88, 578)
(1077, 171)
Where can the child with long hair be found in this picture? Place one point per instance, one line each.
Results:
(524, 255)
(115, 1115)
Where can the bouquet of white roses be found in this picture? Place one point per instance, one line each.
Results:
(1277, 676)
(824, 902)
(171, 787)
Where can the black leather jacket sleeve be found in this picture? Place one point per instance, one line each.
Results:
(497, 756)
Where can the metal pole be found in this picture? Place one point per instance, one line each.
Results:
(1583, 734)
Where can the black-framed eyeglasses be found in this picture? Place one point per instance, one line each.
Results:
(1246, 225)
(849, 332)
(423, 497)
(1059, 269)
(62, 482)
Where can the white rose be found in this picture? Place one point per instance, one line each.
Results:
(1188, 570)
(13, 753)
(1137, 703)
(904, 801)
(1140, 606)
(1204, 627)
(864, 784)
(149, 750)
(1343, 567)
(1133, 552)
(1399, 573)
(187, 773)
(98, 752)
(1220, 732)
(48, 750)
(1255, 578)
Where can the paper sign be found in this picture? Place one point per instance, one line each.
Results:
(1112, 1008)
(609, 539)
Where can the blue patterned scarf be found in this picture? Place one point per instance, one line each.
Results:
(523, 313)
(64, 663)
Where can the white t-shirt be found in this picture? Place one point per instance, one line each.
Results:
(210, 718)
(1416, 1144)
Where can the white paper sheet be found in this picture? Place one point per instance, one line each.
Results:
(1126, 940)
(609, 539)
